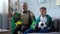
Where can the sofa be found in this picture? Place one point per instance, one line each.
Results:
(56, 22)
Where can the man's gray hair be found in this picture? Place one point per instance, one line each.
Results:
(24, 3)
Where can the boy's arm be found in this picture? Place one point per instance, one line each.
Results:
(37, 21)
(51, 23)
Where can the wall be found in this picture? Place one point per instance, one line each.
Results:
(0, 12)
(52, 9)
(4, 14)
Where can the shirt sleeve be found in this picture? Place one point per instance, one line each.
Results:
(33, 20)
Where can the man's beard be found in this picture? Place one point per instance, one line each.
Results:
(24, 11)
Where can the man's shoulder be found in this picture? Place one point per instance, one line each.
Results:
(29, 11)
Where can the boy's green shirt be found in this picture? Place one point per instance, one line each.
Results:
(49, 21)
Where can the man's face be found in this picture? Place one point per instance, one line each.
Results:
(24, 7)
(43, 12)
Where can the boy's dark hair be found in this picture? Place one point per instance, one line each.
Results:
(43, 8)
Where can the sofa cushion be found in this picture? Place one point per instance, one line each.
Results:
(59, 24)
(0, 21)
(56, 24)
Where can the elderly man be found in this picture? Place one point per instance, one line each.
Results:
(26, 18)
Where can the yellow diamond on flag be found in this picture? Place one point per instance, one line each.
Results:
(18, 23)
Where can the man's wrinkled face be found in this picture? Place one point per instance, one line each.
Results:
(24, 6)
(43, 12)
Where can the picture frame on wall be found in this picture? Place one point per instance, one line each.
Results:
(41, 1)
(58, 2)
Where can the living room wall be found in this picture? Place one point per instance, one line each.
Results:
(52, 9)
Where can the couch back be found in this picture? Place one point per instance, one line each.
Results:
(0, 21)
(59, 24)
(56, 25)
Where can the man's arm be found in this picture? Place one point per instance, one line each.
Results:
(33, 20)
(32, 16)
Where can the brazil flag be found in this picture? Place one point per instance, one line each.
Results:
(18, 22)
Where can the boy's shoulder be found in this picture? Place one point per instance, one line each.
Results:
(48, 16)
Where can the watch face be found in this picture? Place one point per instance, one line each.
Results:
(42, 25)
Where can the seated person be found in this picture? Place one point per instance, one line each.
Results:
(23, 20)
(45, 18)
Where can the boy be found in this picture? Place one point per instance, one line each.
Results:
(45, 18)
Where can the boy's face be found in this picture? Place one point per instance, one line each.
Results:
(43, 12)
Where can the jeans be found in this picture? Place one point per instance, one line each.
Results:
(21, 29)
(30, 30)
(43, 31)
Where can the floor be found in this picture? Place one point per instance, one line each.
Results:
(2, 31)
(46, 33)
(32, 33)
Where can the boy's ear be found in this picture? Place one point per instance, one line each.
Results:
(45, 12)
